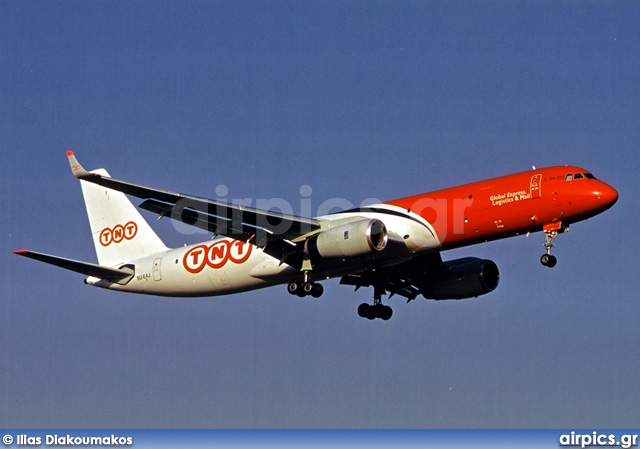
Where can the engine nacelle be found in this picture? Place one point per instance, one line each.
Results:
(349, 240)
(463, 278)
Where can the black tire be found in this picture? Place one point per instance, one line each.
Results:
(553, 261)
(544, 260)
(307, 287)
(293, 288)
(385, 313)
(317, 291)
(363, 310)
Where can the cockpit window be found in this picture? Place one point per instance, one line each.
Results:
(573, 177)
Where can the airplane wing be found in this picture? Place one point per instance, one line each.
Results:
(88, 269)
(273, 231)
(404, 279)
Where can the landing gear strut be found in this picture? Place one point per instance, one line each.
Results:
(547, 259)
(377, 310)
(551, 232)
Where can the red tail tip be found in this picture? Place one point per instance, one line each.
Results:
(69, 153)
(21, 251)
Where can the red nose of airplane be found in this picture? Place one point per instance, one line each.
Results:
(606, 196)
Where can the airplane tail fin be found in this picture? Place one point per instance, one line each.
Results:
(120, 233)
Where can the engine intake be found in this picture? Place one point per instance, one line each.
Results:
(463, 278)
(349, 240)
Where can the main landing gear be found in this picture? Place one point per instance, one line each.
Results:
(551, 232)
(303, 289)
(377, 310)
(372, 312)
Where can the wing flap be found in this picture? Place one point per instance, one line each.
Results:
(403, 279)
(200, 219)
(394, 286)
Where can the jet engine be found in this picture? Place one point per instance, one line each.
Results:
(463, 278)
(349, 240)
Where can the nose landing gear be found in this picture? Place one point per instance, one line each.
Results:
(551, 231)
(548, 260)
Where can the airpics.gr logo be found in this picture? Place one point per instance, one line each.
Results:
(118, 233)
(216, 255)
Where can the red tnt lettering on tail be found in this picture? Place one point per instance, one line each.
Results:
(118, 233)
(106, 237)
(215, 255)
(130, 230)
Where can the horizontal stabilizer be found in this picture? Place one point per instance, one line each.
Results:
(88, 269)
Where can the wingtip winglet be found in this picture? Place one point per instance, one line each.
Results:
(77, 169)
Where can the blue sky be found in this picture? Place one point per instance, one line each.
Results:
(357, 100)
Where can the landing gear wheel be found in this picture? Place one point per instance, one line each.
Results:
(548, 260)
(302, 289)
(317, 290)
(376, 311)
(366, 311)
(307, 287)
(294, 287)
(385, 312)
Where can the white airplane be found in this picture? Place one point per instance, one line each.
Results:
(393, 247)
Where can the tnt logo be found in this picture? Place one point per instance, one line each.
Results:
(216, 255)
(118, 233)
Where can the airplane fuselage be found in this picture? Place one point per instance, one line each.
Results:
(546, 199)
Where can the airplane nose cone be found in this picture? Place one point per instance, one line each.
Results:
(606, 196)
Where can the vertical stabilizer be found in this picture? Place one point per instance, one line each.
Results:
(120, 234)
